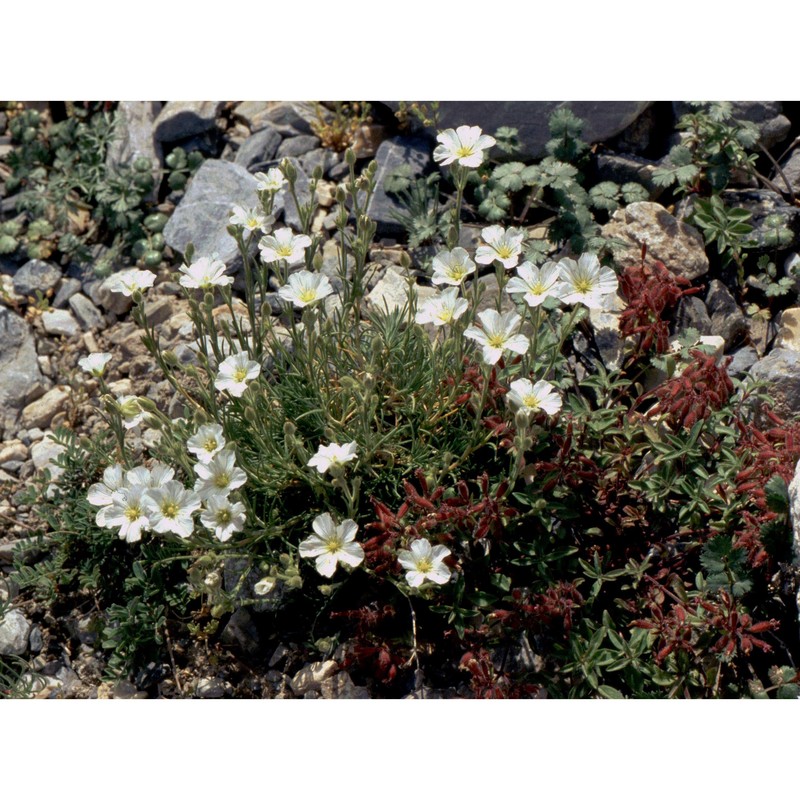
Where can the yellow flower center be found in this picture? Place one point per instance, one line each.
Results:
(223, 516)
(583, 285)
(497, 340)
(531, 401)
(170, 509)
(307, 296)
(424, 565)
(251, 222)
(504, 251)
(333, 546)
(457, 272)
(132, 513)
(222, 480)
(465, 150)
(210, 445)
(283, 250)
(444, 314)
(239, 375)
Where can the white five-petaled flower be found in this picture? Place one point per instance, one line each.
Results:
(501, 245)
(264, 586)
(535, 284)
(95, 364)
(128, 513)
(222, 517)
(533, 397)
(284, 245)
(170, 508)
(251, 219)
(452, 266)
(129, 281)
(235, 372)
(131, 411)
(305, 287)
(424, 563)
(204, 273)
(585, 281)
(330, 455)
(102, 494)
(331, 544)
(206, 443)
(500, 333)
(220, 476)
(465, 144)
(150, 478)
(442, 309)
(272, 181)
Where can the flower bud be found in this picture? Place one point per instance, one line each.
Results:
(350, 156)
(170, 359)
(289, 171)
(250, 415)
(316, 174)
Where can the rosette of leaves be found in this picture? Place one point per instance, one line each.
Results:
(419, 199)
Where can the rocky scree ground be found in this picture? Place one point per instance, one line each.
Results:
(41, 387)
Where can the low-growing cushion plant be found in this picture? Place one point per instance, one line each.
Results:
(446, 493)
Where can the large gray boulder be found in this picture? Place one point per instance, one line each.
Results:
(203, 215)
(181, 119)
(602, 119)
(21, 380)
(780, 370)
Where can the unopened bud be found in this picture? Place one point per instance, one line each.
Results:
(289, 171)
(350, 156)
(250, 415)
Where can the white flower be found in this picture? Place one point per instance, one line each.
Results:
(235, 372)
(536, 284)
(442, 309)
(331, 544)
(170, 509)
(500, 332)
(424, 563)
(204, 273)
(464, 144)
(452, 266)
(252, 219)
(127, 511)
(305, 287)
(219, 476)
(151, 478)
(586, 281)
(131, 411)
(330, 455)
(283, 244)
(206, 443)
(271, 182)
(264, 586)
(501, 245)
(129, 281)
(533, 397)
(222, 517)
(95, 363)
(103, 494)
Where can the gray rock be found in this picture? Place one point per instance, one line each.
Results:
(21, 380)
(44, 452)
(135, 138)
(415, 153)
(87, 314)
(285, 200)
(628, 169)
(727, 319)
(322, 158)
(605, 324)
(69, 287)
(40, 412)
(310, 677)
(14, 632)
(679, 246)
(292, 118)
(103, 294)
(159, 310)
(259, 149)
(791, 171)
(60, 322)
(788, 332)
(742, 360)
(181, 119)
(762, 203)
(602, 119)
(202, 216)
(297, 146)
(780, 369)
(36, 275)
(692, 313)
(210, 688)
(241, 632)
(341, 687)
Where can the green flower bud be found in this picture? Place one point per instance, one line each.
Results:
(350, 156)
